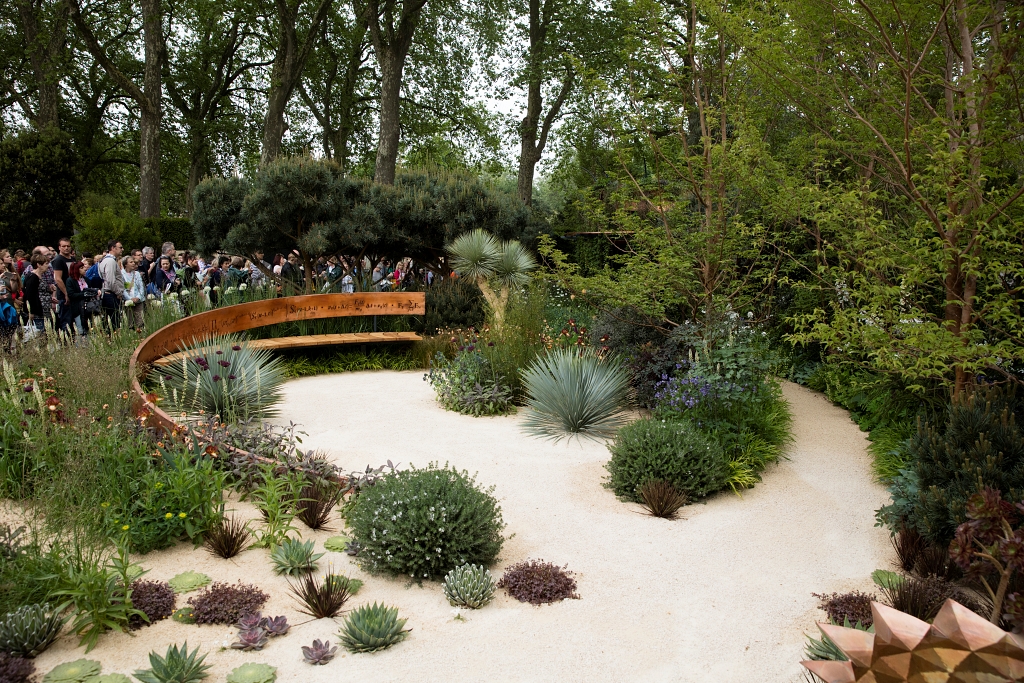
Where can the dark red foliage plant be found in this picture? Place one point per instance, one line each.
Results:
(154, 598)
(224, 603)
(15, 669)
(854, 606)
(538, 582)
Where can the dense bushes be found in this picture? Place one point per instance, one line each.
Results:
(668, 450)
(426, 522)
(453, 303)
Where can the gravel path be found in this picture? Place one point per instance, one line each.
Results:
(722, 594)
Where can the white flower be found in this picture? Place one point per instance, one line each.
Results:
(185, 292)
(217, 288)
(229, 290)
(206, 290)
(150, 297)
(242, 287)
(158, 303)
(129, 303)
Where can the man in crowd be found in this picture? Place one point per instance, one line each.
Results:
(113, 285)
(145, 263)
(60, 265)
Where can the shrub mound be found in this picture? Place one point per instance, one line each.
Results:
(854, 607)
(538, 582)
(223, 603)
(154, 598)
(426, 522)
(673, 451)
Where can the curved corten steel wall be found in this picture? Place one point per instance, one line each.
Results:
(240, 317)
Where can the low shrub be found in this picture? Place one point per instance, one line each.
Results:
(465, 383)
(155, 599)
(453, 303)
(854, 607)
(426, 522)
(310, 363)
(574, 392)
(222, 376)
(223, 603)
(16, 669)
(538, 582)
(673, 451)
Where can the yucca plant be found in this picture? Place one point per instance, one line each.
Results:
(29, 630)
(293, 557)
(661, 498)
(372, 627)
(470, 585)
(321, 599)
(177, 666)
(575, 393)
(482, 258)
(228, 538)
(316, 502)
(222, 376)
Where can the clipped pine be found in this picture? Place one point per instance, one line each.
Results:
(980, 445)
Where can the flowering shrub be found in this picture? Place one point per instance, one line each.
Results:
(426, 522)
(466, 383)
(676, 394)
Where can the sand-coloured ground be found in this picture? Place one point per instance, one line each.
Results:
(721, 595)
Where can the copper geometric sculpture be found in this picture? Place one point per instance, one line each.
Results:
(959, 646)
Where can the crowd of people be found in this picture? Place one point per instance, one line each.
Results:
(65, 292)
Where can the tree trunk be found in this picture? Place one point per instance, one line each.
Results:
(274, 126)
(44, 53)
(196, 170)
(390, 126)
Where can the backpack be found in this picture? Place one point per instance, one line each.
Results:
(8, 315)
(92, 276)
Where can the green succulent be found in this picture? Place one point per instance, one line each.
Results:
(825, 649)
(73, 672)
(251, 672)
(470, 585)
(183, 616)
(372, 627)
(29, 630)
(188, 581)
(337, 544)
(108, 678)
(351, 585)
(294, 557)
(885, 579)
(177, 666)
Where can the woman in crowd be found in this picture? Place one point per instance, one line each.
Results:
(164, 278)
(33, 291)
(134, 293)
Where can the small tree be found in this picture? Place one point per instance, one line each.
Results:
(493, 265)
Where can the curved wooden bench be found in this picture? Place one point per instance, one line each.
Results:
(171, 339)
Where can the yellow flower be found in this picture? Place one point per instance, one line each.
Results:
(168, 515)
(104, 505)
(182, 515)
(125, 528)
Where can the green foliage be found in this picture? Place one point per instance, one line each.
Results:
(252, 672)
(189, 581)
(171, 229)
(98, 224)
(305, 365)
(73, 672)
(493, 265)
(222, 376)
(824, 649)
(370, 628)
(425, 522)
(453, 303)
(575, 393)
(275, 496)
(29, 574)
(29, 630)
(217, 208)
(466, 383)
(669, 450)
(178, 665)
(470, 585)
(337, 544)
(980, 445)
(42, 174)
(293, 557)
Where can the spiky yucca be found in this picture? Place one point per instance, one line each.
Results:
(29, 630)
(177, 666)
(372, 627)
(470, 585)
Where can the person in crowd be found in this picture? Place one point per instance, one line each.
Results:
(190, 278)
(333, 275)
(33, 287)
(146, 263)
(113, 286)
(47, 286)
(257, 268)
(291, 274)
(166, 249)
(237, 272)
(165, 279)
(91, 303)
(134, 293)
(59, 265)
(213, 278)
(77, 296)
(15, 294)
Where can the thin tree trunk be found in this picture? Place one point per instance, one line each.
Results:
(44, 54)
(149, 123)
(390, 126)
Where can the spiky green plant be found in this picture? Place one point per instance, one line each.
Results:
(251, 672)
(575, 393)
(825, 649)
(177, 666)
(189, 581)
(73, 672)
(222, 376)
(372, 627)
(481, 257)
(29, 630)
(293, 557)
(470, 585)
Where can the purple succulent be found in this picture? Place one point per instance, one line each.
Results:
(253, 639)
(247, 622)
(276, 626)
(319, 653)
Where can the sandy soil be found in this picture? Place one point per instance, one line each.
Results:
(722, 595)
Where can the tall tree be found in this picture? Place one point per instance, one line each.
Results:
(290, 55)
(148, 98)
(40, 39)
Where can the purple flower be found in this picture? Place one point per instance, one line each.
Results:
(216, 378)
(231, 376)
(28, 388)
(236, 347)
(224, 363)
(219, 352)
(29, 411)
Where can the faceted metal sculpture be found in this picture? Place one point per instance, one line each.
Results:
(959, 647)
